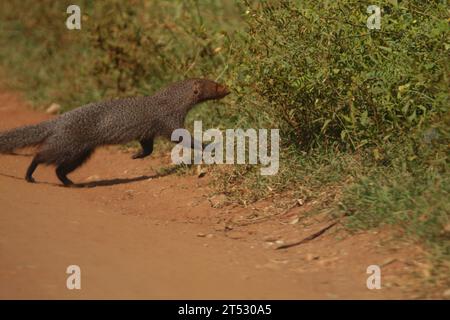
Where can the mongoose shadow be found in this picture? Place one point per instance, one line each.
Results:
(107, 182)
(69, 140)
(112, 182)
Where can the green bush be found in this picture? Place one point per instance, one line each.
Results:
(143, 46)
(363, 113)
(320, 75)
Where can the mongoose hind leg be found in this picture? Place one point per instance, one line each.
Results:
(67, 167)
(147, 149)
(31, 169)
(61, 173)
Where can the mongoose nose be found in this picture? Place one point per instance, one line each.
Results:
(222, 90)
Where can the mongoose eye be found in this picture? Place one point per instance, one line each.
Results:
(196, 92)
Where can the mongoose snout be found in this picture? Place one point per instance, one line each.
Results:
(209, 90)
(222, 91)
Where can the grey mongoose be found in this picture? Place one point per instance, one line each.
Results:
(68, 140)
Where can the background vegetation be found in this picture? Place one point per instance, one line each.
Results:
(363, 114)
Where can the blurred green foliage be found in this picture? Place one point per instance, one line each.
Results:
(123, 48)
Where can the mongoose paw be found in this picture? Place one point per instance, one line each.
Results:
(30, 179)
(138, 155)
(68, 184)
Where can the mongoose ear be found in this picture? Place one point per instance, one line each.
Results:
(196, 89)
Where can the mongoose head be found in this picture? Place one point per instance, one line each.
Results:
(204, 89)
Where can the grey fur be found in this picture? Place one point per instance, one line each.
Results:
(69, 140)
(24, 136)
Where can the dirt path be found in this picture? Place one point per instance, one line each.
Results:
(135, 236)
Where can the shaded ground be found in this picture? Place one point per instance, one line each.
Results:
(136, 235)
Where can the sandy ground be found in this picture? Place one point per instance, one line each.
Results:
(139, 236)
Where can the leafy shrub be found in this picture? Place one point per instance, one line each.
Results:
(318, 73)
(411, 190)
(140, 47)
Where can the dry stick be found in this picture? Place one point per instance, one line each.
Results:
(309, 238)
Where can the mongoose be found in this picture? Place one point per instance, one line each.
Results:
(69, 140)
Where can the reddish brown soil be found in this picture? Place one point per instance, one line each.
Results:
(153, 238)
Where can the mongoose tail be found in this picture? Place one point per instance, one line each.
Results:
(24, 136)
(69, 140)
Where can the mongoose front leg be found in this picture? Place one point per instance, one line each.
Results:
(147, 149)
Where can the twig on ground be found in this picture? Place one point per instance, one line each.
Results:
(309, 238)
